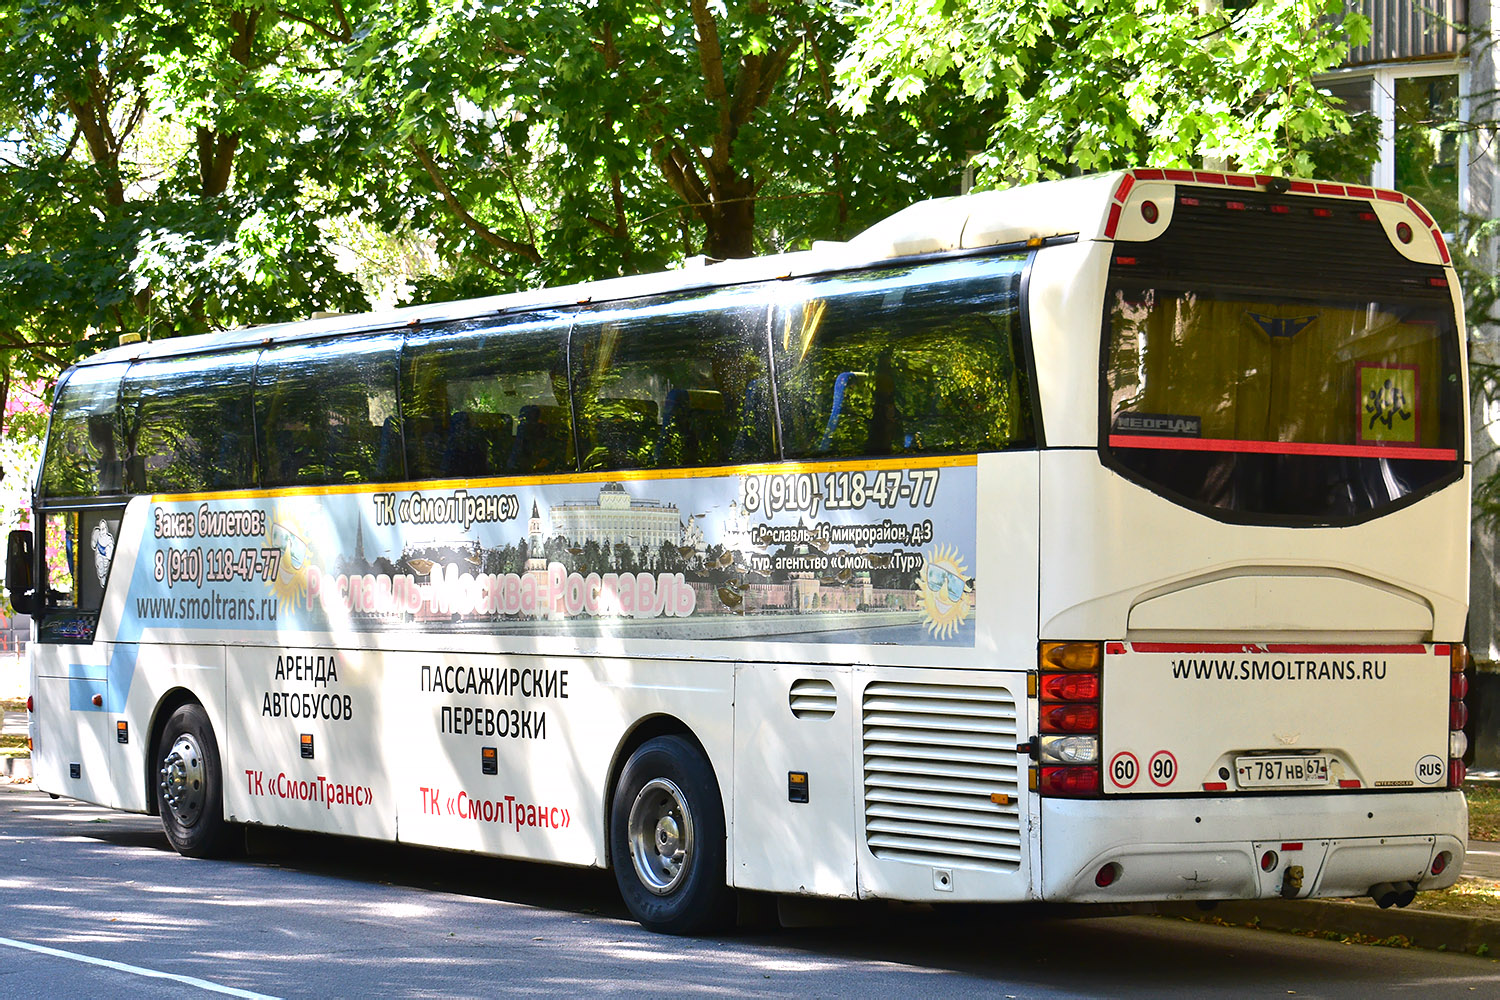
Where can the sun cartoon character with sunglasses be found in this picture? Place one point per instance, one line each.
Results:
(290, 584)
(947, 595)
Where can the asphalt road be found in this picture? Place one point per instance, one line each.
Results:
(93, 903)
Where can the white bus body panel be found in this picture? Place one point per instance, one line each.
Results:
(1113, 546)
(795, 718)
(68, 731)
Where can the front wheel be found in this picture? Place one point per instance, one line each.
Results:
(666, 839)
(190, 785)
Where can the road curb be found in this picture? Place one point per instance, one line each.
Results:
(15, 767)
(1416, 928)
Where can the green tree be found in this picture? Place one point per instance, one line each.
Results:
(162, 172)
(555, 141)
(1084, 85)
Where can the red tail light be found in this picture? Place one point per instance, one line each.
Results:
(29, 706)
(1070, 718)
(1069, 782)
(1070, 687)
(1456, 773)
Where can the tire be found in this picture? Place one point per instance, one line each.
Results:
(666, 839)
(190, 786)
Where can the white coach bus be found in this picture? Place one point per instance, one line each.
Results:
(1099, 541)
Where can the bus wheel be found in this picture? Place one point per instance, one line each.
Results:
(666, 839)
(190, 785)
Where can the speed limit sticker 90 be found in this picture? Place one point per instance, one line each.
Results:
(1124, 769)
(1162, 768)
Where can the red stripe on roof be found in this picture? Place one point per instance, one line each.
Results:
(1412, 204)
(1150, 175)
(1390, 195)
(1282, 447)
(1442, 246)
(1269, 647)
(1360, 192)
(1180, 175)
(1211, 178)
(1337, 189)
(1124, 189)
(1242, 180)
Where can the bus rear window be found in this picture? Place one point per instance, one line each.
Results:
(1261, 406)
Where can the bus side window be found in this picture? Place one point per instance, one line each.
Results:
(187, 423)
(911, 359)
(321, 408)
(487, 397)
(666, 381)
(85, 447)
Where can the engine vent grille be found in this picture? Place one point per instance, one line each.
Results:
(936, 756)
(813, 698)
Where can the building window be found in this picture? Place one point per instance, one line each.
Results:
(1426, 155)
(1418, 153)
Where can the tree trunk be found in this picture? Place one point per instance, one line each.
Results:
(731, 220)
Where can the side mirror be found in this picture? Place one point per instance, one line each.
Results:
(19, 567)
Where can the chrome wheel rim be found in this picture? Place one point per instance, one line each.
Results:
(182, 780)
(661, 836)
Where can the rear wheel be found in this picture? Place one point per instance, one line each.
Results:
(666, 838)
(190, 785)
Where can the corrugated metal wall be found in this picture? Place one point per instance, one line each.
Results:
(1410, 29)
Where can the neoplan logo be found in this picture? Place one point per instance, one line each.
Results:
(1164, 424)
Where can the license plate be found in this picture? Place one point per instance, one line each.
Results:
(1263, 772)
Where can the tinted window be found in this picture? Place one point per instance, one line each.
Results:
(905, 360)
(488, 398)
(190, 423)
(674, 381)
(326, 411)
(1320, 385)
(85, 452)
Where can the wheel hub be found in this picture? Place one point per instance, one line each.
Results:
(661, 836)
(181, 783)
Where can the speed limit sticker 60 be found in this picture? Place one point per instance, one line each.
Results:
(1124, 769)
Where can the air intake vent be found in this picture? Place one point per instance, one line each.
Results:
(813, 698)
(941, 775)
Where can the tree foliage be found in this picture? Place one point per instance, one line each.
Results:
(175, 167)
(1097, 84)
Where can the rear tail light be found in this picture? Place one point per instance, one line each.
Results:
(1070, 718)
(1069, 782)
(1403, 232)
(1068, 690)
(30, 706)
(1070, 687)
(1458, 713)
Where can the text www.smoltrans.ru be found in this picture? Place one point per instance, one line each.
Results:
(208, 607)
(1278, 670)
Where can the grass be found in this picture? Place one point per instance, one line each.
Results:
(12, 740)
(1484, 810)
(13, 704)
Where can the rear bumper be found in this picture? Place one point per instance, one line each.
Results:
(1212, 848)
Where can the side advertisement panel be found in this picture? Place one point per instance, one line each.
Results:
(876, 552)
